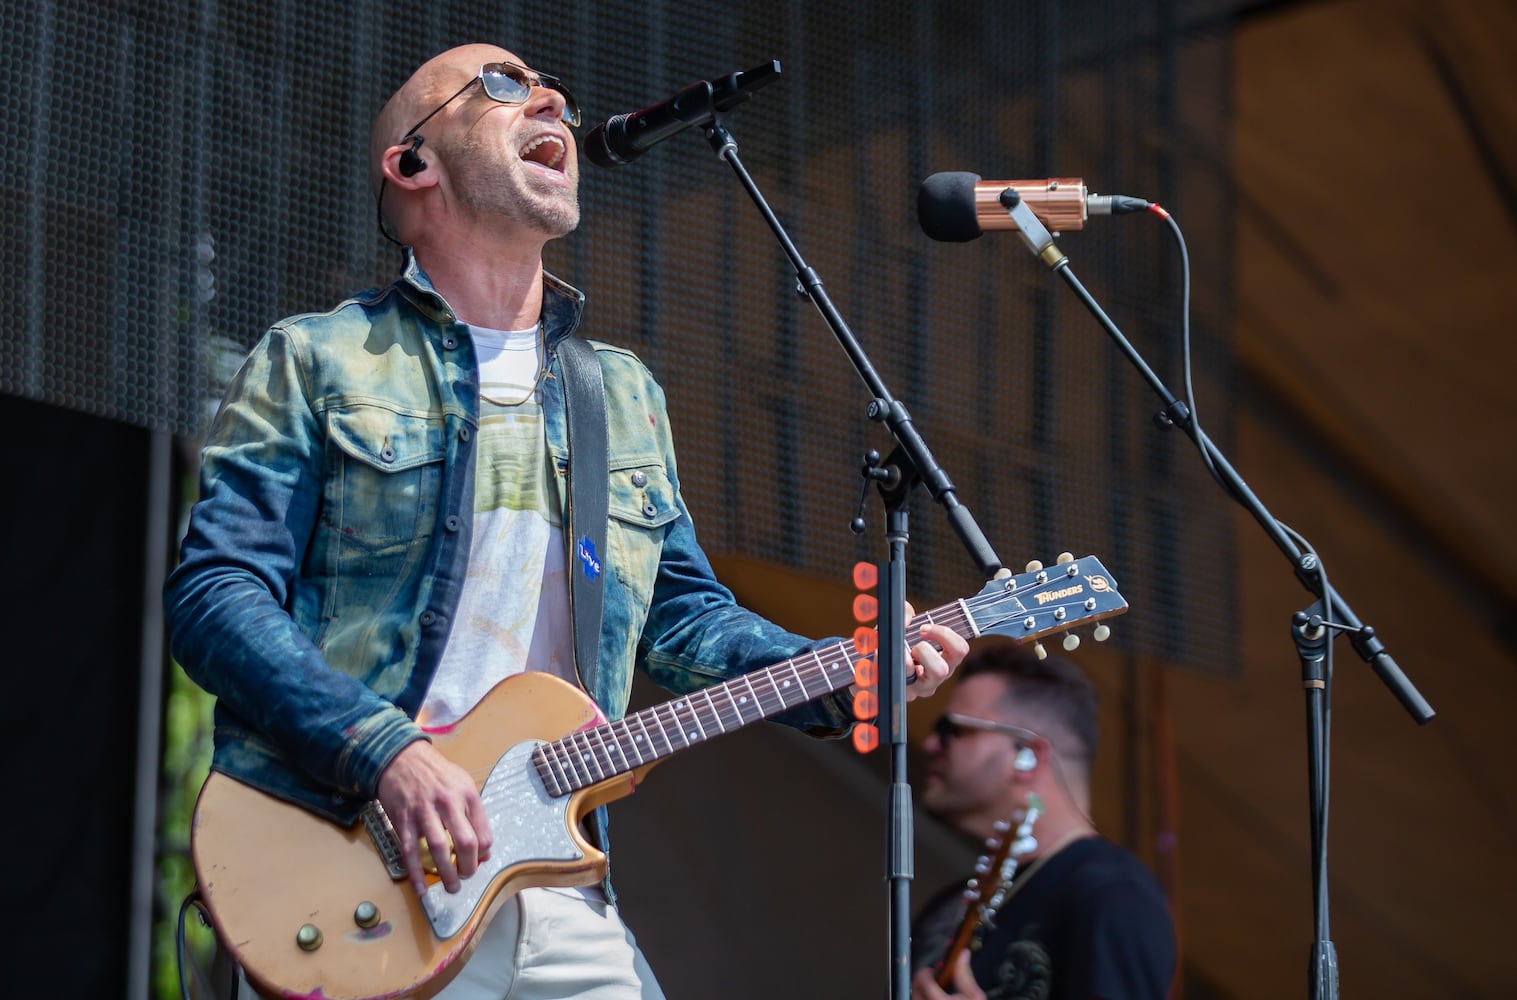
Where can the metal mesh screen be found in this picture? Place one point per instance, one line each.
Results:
(184, 174)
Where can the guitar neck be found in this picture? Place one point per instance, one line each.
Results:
(592, 755)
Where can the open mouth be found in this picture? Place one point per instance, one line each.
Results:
(545, 150)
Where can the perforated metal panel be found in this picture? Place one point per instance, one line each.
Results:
(181, 175)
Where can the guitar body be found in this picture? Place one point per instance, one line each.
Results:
(267, 868)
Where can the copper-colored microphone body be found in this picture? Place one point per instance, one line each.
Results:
(957, 206)
(1058, 202)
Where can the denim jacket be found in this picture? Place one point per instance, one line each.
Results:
(321, 569)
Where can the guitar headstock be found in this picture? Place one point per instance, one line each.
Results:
(1044, 600)
(991, 885)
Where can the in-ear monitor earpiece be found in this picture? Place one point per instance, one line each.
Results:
(411, 162)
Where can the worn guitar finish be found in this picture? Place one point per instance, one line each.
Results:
(311, 909)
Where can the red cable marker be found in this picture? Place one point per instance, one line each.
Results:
(866, 700)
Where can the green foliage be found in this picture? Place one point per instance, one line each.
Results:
(186, 761)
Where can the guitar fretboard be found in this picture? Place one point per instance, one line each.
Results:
(592, 755)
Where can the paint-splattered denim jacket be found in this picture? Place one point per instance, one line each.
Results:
(321, 569)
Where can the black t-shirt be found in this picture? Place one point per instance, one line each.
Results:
(1091, 922)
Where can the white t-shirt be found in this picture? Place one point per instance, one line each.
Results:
(513, 612)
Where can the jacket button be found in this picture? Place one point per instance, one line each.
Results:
(449, 342)
(428, 617)
(649, 510)
(639, 479)
(387, 454)
(452, 522)
(464, 434)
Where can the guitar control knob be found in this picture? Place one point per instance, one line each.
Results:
(1100, 633)
(308, 937)
(366, 915)
(428, 861)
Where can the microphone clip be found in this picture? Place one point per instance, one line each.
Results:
(1032, 231)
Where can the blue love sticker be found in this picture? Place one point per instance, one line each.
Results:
(585, 549)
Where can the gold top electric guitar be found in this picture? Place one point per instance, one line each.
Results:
(311, 909)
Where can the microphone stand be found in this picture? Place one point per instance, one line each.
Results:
(1309, 629)
(909, 464)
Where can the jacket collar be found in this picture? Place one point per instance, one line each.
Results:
(562, 302)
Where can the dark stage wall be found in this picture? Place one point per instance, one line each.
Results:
(72, 611)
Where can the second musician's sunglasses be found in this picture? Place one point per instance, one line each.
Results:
(510, 84)
(952, 725)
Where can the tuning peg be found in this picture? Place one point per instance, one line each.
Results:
(1002, 574)
(1071, 642)
(1065, 557)
(1038, 649)
(1033, 566)
(1100, 633)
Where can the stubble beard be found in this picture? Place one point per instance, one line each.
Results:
(502, 187)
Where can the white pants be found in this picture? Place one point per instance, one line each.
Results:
(548, 944)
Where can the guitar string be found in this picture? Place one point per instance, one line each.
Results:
(609, 736)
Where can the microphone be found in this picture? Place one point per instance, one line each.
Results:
(956, 206)
(623, 138)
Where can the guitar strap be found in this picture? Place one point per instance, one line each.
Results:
(585, 530)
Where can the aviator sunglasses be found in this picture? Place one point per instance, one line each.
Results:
(505, 82)
(511, 84)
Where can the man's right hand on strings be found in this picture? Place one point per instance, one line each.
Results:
(427, 795)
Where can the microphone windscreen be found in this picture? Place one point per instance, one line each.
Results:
(946, 209)
(597, 145)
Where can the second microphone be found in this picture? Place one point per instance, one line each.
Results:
(957, 206)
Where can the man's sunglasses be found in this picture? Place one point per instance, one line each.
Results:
(510, 84)
(951, 725)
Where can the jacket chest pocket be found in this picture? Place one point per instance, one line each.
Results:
(641, 504)
(385, 477)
